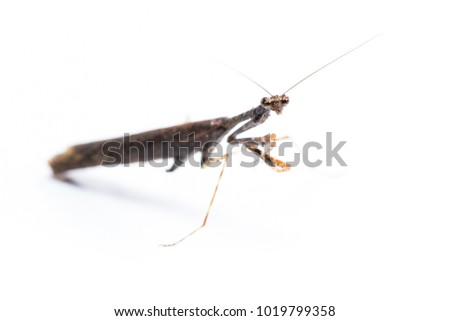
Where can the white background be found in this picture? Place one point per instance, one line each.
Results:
(371, 239)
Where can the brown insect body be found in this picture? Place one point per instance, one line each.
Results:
(172, 142)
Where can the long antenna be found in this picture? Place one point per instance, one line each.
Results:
(244, 75)
(334, 60)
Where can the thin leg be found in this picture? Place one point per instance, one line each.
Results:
(232, 139)
(175, 165)
(274, 139)
(252, 145)
(212, 160)
(278, 165)
(209, 207)
(273, 162)
(179, 160)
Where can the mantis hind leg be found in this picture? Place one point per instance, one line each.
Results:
(205, 219)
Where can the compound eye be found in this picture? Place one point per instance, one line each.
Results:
(265, 101)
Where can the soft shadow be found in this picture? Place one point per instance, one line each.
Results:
(111, 188)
